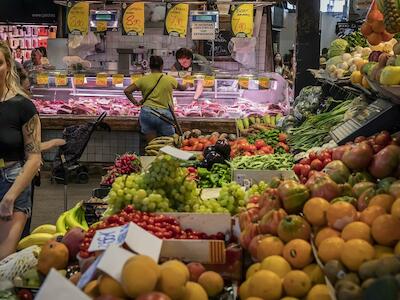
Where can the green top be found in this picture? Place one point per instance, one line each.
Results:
(161, 97)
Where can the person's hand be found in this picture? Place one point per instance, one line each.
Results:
(58, 142)
(6, 207)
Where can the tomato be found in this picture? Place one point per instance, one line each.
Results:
(312, 173)
(282, 137)
(247, 153)
(305, 170)
(198, 147)
(326, 161)
(305, 161)
(259, 144)
(316, 164)
(312, 155)
(129, 209)
(213, 139)
(267, 149)
(284, 146)
(185, 143)
(359, 139)
(251, 148)
(297, 169)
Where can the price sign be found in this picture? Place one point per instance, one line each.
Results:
(107, 237)
(42, 78)
(209, 81)
(101, 79)
(135, 77)
(177, 20)
(263, 83)
(244, 82)
(79, 79)
(188, 80)
(101, 26)
(242, 21)
(78, 17)
(61, 80)
(117, 79)
(133, 19)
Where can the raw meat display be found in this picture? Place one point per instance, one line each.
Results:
(120, 106)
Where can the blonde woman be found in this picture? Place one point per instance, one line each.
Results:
(20, 154)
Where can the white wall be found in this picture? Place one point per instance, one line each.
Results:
(288, 34)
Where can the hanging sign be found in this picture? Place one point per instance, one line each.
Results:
(79, 79)
(78, 17)
(133, 19)
(61, 80)
(242, 20)
(177, 20)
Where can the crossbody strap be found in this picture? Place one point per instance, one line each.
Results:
(152, 90)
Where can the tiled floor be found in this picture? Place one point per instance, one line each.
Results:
(49, 198)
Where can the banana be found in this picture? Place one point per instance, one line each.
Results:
(34, 239)
(240, 125)
(154, 147)
(58, 234)
(60, 224)
(45, 228)
(152, 152)
(246, 123)
(71, 218)
(80, 215)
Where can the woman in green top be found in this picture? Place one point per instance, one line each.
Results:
(156, 89)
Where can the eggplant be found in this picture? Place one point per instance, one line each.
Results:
(223, 148)
(214, 157)
(207, 150)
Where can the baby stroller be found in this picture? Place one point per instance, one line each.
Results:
(66, 163)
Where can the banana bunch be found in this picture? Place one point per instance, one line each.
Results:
(153, 148)
(75, 217)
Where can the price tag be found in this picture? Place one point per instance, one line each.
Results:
(263, 83)
(107, 237)
(133, 19)
(79, 79)
(101, 79)
(101, 26)
(61, 80)
(117, 79)
(209, 81)
(135, 77)
(188, 80)
(177, 20)
(42, 78)
(78, 17)
(242, 20)
(244, 82)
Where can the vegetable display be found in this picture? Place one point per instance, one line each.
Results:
(216, 177)
(282, 162)
(337, 47)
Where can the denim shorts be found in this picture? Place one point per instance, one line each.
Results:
(7, 178)
(150, 123)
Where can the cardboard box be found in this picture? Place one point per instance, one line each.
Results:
(250, 177)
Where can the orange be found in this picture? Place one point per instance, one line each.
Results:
(296, 284)
(378, 26)
(355, 252)
(340, 214)
(330, 249)
(383, 200)
(374, 38)
(369, 214)
(319, 292)
(325, 233)
(268, 246)
(315, 211)
(385, 230)
(366, 29)
(395, 210)
(298, 253)
(357, 230)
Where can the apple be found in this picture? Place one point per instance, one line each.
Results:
(73, 239)
(195, 270)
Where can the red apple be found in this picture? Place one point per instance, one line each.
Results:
(195, 270)
(73, 239)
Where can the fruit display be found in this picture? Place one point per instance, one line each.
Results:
(280, 162)
(127, 163)
(247, 124)
(195, 141)
(315, 162)
(219, 175)
(342, 66)
(154, 146)
(337, 48)
(164, 227)
(391, 14)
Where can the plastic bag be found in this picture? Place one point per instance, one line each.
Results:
(84, 45)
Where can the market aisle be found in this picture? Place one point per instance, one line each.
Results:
(49, 198)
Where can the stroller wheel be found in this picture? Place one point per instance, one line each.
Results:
(83, 177)
(82, 169)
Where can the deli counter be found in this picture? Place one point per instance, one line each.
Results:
(76, 99)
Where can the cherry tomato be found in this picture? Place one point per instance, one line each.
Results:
(305, 170)
(316, 164)
(312, 155)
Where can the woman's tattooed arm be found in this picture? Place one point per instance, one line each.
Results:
(32, 135)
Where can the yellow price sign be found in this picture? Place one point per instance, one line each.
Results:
(101, 79)
(61, 80)
(188, 80)
(135, 77)
(101, 26)
(176, 21)
(242, 21)
(42, 78)
(79, 79)
(209, 81)
(244, 82)
(78, 17)
(133, 19)
(117, 79)
(263, 83)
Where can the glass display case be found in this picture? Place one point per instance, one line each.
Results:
(228, 98)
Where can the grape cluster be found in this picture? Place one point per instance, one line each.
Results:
(232, 197)
(127, 163)
(256, 189)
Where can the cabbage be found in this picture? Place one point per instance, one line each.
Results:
(337, 47)
(334, 60)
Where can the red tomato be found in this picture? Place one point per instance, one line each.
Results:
(305, 170)
(282, 137)
(213, 139)
(251, 148)
(247, 153)
(326, 161)
(312, 155)
(267, 149)
(297, 169)
(259, 144)
(284, 146)
(316, 164)
(185, 143)
(198, 147)
(305, 161)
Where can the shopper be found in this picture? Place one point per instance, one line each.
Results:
(20, 138)
(35, 62)
(187, 61)
(278, 64)
(156, 89)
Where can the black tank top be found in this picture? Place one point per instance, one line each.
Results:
(14, 113)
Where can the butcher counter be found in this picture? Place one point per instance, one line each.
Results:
(62, 104)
